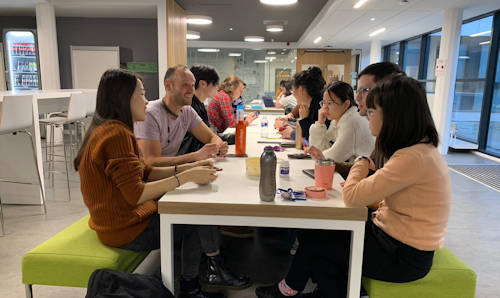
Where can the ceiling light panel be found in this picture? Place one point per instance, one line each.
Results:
(359, 3)
(377, 32)
(199, 20)
(208, 50)
(192, 35)
(274, 28)
(254, 38)
(234, 54)
(480, 33)
(278, 2)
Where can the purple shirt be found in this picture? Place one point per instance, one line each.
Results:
(160, 127)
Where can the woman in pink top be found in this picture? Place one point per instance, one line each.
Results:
(413, 193)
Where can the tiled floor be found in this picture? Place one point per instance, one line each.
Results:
(473, 235)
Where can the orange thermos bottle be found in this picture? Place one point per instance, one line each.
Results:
(241, 131)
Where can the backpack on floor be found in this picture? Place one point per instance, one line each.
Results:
(107, 283)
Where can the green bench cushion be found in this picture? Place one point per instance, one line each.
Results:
(68, 258)
(448, 277)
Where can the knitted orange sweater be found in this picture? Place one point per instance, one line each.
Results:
(112, 176)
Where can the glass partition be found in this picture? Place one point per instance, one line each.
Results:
(262, 70)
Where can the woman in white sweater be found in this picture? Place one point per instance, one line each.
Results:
(348, 131)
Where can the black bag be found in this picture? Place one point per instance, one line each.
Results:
(107, 283)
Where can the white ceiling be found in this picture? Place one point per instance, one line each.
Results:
(84, 8)
(342, 26)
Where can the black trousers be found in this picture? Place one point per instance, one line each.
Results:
(195, 240)
(323, 256)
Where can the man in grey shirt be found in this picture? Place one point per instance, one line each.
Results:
(159, 139)
(168, 119)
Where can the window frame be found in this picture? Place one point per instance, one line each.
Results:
(489, 89)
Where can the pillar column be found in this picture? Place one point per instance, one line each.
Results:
(161, 15)
(47, 46)
(375, 51)
(445, 81)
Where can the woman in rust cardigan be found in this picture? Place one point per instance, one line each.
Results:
(121, 191)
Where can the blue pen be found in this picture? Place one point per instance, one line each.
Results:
(305, 142)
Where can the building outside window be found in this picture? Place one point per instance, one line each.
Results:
(471, 78)
(393, 53)
(493, 140)
(411, 59)
(433, 44)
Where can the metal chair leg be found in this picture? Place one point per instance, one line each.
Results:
(1, 217)
(52, 155)
(38, 171)
(67, 171)
(29, 291)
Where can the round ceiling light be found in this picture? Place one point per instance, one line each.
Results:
(278, 2)
(199, 20)
(254, 38)
(274, 28)
(208, 50)
(192, 35)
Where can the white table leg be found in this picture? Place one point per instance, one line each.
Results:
(167, 252)
(356, 260)
(38, 145)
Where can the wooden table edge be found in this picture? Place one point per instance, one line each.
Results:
(264, 210)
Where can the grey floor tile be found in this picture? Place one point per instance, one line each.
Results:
(473, 235)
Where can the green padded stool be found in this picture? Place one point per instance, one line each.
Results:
(69, 258)
(449, 277)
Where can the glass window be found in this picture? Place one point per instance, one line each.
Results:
(261, 70)
(433, 44)
(393, 53)
(493, 141)
(471, 77)
(411, 59)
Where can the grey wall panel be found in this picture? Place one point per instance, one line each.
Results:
(139, 35)
(17, 22)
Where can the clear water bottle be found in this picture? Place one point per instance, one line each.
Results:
(267, 184)
(264, 127)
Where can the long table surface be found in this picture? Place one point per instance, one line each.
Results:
(236, 193)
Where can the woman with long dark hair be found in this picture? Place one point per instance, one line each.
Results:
(286, 99)
(414, 191)
(307, 87)
(119, 189)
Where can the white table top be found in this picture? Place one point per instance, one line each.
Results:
(44, 94)
(235, 193)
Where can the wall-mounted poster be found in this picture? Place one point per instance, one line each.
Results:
(335, 72)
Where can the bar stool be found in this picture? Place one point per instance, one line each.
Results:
(16, 116)
(91, 105)
(77, 107)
